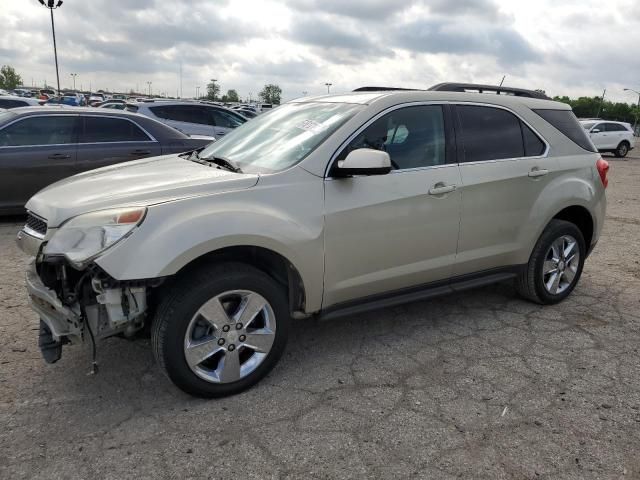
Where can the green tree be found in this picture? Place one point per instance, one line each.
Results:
(213, 90)
(9, 79)
(271, 94)
(232, 96)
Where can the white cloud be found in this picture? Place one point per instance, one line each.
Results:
(571, 47)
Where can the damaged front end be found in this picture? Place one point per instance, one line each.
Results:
(75, 305)
(76, 300)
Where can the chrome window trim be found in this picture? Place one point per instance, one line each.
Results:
(544, 154)
(373, 119)
(151, 139)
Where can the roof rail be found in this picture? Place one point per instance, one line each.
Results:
(382, 89)
(466, 87)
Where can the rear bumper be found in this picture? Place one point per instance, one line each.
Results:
(61, 320)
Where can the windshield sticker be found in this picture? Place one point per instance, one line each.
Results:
(310, 126)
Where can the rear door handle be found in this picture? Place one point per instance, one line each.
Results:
(538, 172)
(441, 188)
(59, 156)
(140, 152)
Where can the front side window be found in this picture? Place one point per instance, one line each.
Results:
(601, 127)
(283, 137)
(105, 129)
(49, 130)
(489, 133)
(412, 136)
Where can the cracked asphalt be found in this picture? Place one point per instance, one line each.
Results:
(475, 385)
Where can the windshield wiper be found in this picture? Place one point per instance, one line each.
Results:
(223, 162)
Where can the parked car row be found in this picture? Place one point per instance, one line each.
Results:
(192, 118)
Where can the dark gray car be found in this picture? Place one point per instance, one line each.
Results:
(41, 145)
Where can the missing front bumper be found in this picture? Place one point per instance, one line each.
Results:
(63, 321)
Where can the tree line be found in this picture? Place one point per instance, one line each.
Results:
(270, 93)
(595, 107)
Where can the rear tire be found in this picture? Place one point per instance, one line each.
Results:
(551, 274)
(622, 149)
(206, 335)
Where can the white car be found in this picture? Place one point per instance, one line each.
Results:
(192, 118)
(14, 101)
(609, 136)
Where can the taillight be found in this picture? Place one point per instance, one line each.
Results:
(603, 169)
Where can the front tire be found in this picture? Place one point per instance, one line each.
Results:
(220, 329)
(622, 150)
(555, 265)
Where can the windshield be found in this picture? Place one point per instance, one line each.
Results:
(281, 138)
(588, 126)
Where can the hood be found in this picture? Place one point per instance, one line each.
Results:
(141, 182)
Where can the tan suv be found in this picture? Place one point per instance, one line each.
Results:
(325, 206)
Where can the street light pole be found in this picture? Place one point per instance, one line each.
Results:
(74, 75)
(52, 5)
(328, 85)
(635, 124)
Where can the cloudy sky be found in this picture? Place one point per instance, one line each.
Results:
(568, 47)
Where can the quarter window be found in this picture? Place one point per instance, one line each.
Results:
(105, 129)
(412, 136)
(49, 130)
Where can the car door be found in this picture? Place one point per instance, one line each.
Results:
(600, 137)
(389, 232)
(504, 168)
(224, 121)
(105, 140)
(35, 151)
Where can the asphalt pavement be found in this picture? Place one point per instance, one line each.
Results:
(475, 385)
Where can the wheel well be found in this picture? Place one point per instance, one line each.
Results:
(581, 218)
(268, 261)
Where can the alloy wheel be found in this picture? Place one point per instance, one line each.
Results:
(230, 336)
(561, 264)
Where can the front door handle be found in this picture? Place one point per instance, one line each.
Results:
(441, 188)
(59, 156)
(140, 152)
(538, 172)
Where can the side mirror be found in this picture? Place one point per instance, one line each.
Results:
(364, 161)
(595, 130)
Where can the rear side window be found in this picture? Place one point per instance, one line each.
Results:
(183, 113)
(105, 129)
(12, 103)
(45, 130)
(489, 133)
(567, 123)
(615, 127)
(225, 119)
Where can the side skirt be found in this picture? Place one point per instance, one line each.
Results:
(422, 292)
